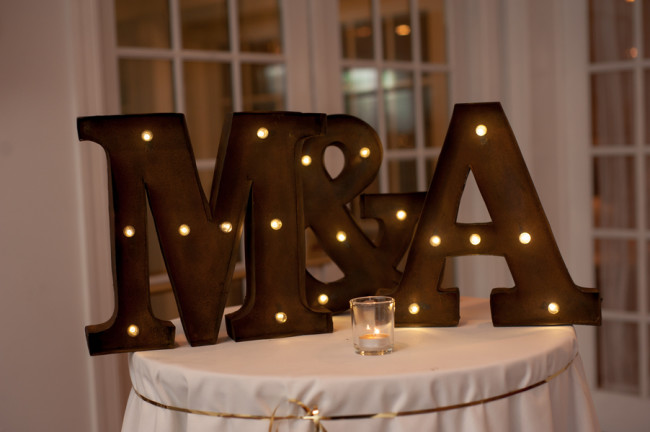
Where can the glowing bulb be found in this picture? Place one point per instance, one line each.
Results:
(435, 241)
(553, 308)
(184, 230)
(364, 152)
(226, 227)
(400, 215)
(133, 330)
(524, 238)
(281, 317)
(414, 308)
(147, 135)
(475, 239)
(481, 130)
(128, 231)
(341, 236)
(276, 224)
(262, 133)
(306, 160)
(323, 299)
(403, 30)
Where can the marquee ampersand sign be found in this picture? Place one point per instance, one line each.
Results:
(480, 140)
(366, 267)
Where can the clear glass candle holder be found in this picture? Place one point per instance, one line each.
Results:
(373, 324)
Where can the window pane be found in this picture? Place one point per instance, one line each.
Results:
(355, 17)
(143, 23)
(259, 26)
(399, 109)
(207, 102)
(612, 108)
(614, 192)
(401, 176)
(205, 24)
(146, 86)
(618, 357)
(433, 31)
(359, 93)
(616, 267)
(435, 102)
(611, 26)
(396, 23)
(263, 87)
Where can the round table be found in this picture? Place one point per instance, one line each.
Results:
(474, 377)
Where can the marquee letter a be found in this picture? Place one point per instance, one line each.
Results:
(480, 139)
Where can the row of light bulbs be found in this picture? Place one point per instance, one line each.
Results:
(475, 239)
(275, 224)
(281, 317)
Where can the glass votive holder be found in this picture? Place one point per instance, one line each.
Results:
(373, 324)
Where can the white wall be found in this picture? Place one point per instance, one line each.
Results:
(45, 368)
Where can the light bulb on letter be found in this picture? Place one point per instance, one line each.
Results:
(414, 308)
(184, 230)
(146, 135)
(276, 224)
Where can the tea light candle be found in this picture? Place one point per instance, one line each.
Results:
(374, 341)
(373, 324)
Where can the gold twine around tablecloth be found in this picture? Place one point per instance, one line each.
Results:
(314, 415)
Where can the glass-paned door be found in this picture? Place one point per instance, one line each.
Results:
(395, 76)
(620, 154)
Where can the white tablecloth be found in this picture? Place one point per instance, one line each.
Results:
(473, 377)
